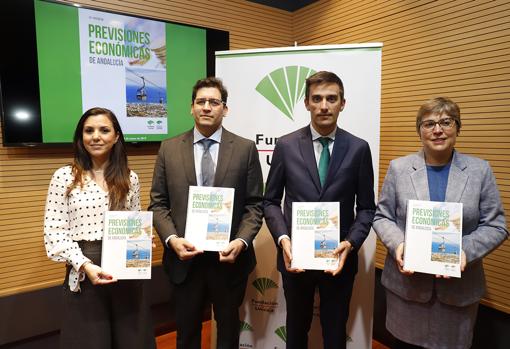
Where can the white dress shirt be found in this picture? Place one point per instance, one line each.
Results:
(317, 146)
(198, 150)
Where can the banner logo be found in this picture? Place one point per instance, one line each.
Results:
(262, 284)
(282, 333)
(244, 326)
(284, 87)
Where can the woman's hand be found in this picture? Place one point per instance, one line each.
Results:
(462, 266)
(399, 258)
(97, 275)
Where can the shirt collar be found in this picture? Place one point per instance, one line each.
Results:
(316, 135)
(216, 136)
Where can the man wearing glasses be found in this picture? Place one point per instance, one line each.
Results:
(207, 155)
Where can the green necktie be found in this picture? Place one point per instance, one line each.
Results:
(324, 159)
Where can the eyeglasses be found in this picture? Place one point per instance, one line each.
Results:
(445, 124)
(213, 102)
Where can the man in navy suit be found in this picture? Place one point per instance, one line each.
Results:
(320, 163)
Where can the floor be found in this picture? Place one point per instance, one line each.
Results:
(167, 341)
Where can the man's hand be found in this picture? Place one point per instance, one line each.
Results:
(230, 253)
(399, 258)
(287, 256)
(183, 248)
(96, 275)
(342, 251)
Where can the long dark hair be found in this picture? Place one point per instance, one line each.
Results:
(116, 173)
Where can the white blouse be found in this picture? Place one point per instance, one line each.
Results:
(79, 216)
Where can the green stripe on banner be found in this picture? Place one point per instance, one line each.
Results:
(187, 47)
(59, 69)
(295, 52)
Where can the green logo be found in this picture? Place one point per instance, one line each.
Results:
(284, 87)
(262, 284)
(150, 122)
(244, 326)
(282, 333)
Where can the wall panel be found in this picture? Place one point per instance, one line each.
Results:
(459, 49)
(25, 172)
(431, 47)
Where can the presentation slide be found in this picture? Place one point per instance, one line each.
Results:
(141, 69)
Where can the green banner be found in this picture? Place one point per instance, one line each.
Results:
(59, 70)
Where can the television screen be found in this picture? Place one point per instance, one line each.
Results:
(63, 60)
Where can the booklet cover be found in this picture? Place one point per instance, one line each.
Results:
(209, 218)
(315, 235)
(433, 237)
(127, 244)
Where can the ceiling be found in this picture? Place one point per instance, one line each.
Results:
(287, 5)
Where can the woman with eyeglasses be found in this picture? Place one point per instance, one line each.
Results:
(435, 311)
(98, 311)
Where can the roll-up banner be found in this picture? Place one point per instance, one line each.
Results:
(266, 100)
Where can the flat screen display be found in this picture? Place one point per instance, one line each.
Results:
(68, 59)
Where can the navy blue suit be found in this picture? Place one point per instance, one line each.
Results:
(350, 181)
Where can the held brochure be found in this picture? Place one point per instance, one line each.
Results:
(127, 244)
(315, 235)
(433, 238)
(209, 218)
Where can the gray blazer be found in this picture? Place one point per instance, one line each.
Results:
(471, 182)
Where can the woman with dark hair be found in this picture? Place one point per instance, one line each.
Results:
(435, 311)
(99, 311)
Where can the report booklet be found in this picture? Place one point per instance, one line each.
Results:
(433, 237)
(209, 218)
(315, 235)
(127, 244)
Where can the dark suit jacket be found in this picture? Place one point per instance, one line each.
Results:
(350, 180)
(238, 167)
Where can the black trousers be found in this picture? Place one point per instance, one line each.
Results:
(398, 344)
(109, 316)
(209, 282)
(335, 296)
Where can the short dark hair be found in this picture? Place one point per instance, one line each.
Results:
(439, 106)
(210, 81)
(322, 77)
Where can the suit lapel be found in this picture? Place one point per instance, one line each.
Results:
(188, 158)
(457, 179)
(224, 156)
(419, 177)
(306, 149)
(340, 148)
